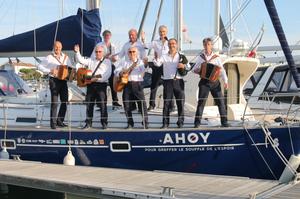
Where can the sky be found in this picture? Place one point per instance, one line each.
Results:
(119, 16)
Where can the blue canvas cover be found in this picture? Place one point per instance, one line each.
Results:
(68, 32)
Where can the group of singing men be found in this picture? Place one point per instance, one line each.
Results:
(133, 53)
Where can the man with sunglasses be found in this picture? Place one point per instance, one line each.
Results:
(135, 69)
(96, 91)
(110, 50)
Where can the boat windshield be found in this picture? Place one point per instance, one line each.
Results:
(12, 85)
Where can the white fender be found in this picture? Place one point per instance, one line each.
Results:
(69, 159)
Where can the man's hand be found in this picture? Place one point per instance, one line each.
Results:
(145, 60)
(76, 48)
(54, 72)
(94, 79)
(114, 58)
(180, 65)
(226, 86)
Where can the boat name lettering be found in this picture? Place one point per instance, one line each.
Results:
(182, 138)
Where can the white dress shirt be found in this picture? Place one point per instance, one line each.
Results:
(138, 44)
(136, 75)
(216, 61)
(158, 46)
(107, 50)
(52, 61)
(170, 65)
(104, 69)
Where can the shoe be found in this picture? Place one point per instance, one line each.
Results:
(53, 126)
(196, 126)
(104, 126)
(116, 104)
(129, 126)
(61, 124)
(225, 124)
(179, 125)
(150, 108)
(164, 126)
(86, 126)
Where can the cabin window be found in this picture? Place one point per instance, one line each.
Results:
(253, 81)
(120, 146)
(276, 81)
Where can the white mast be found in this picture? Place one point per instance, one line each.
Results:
(217, 39)
(178, 22)
(92, 4)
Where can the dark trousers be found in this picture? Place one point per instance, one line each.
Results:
(114, 94)
(205, 87)
(58, 88)
(134, 90)
(96, 92)
(176, 88)
(156, 81)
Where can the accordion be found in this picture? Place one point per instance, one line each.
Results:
(210, 71)
(65, 72)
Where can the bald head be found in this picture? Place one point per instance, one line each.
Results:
(57, 47)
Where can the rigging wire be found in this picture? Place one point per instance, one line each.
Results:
(236, 15)
(245, 23)
(15, 16)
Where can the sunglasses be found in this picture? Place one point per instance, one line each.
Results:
(98, 51)
(132, 51)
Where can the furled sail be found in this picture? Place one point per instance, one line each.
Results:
(83, 28)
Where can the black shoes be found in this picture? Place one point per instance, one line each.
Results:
(150, 108)
(53, 126)
(86, 126)
(104, 126)
(129, 126)
(61, 124)
(196, 126)
(116, 104)
(164, 126)
(225, 124)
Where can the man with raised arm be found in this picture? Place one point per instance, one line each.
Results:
(110, 50)
(96, 91)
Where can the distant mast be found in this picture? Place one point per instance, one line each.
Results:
(178, 22)
(92, 4)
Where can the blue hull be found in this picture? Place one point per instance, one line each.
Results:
(221, 151)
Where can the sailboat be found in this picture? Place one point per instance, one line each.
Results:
(252, 147)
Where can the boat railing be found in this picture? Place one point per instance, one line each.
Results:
(76, 112)
(283, 112)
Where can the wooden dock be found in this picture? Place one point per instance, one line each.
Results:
(120, 183)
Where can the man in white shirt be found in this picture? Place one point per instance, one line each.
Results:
(133, 42)
(110, 50)
(133, 89)
(57, 87)
(173, 82)
(96, 91)
(160, 47)
(206, 85)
